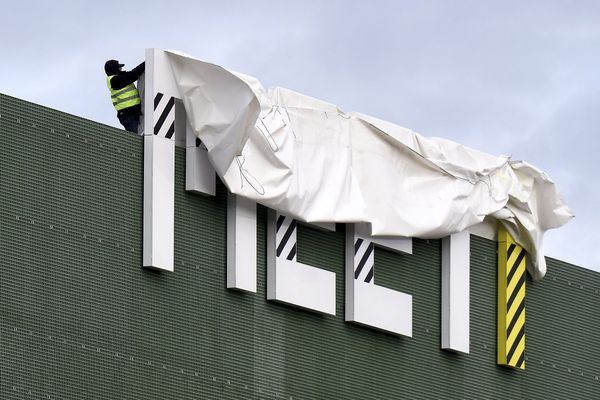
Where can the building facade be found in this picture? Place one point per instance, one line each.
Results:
(81, 318)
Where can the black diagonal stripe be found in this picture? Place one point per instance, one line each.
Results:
(515, 344)
(511, 248)
(164, 115)
(280, 220)
(357, 245)
(514, 319)
(157, 98)
(171, 131)
(363, 260)
(521, 359)
(515, 266)
(286, 237)
(370, 275)
(292, 253)
(198, 142)
(515, 292)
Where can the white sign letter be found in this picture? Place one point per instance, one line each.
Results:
(288, 280)
(367, 303)
(455, 292)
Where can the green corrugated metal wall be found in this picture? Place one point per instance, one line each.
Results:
(80, 318)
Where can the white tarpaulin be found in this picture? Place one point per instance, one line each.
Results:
(308, 159)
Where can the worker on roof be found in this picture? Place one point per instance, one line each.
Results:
(123, 93)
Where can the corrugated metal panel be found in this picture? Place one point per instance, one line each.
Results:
(81, 319)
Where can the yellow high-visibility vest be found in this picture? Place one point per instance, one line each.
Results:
(125, 97)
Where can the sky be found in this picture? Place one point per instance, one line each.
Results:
(505, 77)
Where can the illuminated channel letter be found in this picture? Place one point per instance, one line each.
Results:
(241, 243)
(200, 176)
(159, 175)
(161, 104)
(511, 301)
(455, 292)
(367, 303)
(288, 280)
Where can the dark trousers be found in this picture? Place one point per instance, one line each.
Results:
(129, 122)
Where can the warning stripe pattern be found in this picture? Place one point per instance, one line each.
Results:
(164, 107)
(364, 260)
(285, 237)
(511, 302)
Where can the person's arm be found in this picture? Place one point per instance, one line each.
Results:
(120, 81)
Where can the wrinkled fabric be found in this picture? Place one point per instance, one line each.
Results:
(307, 158)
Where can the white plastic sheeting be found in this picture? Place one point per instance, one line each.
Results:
(309, 159)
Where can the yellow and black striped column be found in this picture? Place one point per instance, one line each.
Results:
(511, 301)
